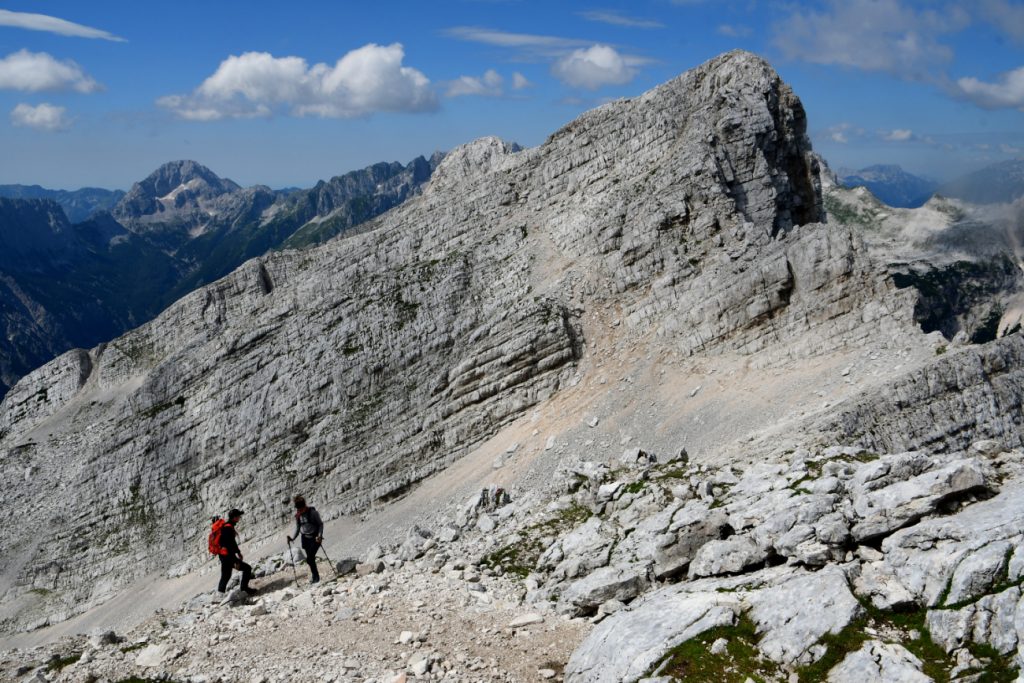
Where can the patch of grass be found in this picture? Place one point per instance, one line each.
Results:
(998, 667)
(936, 663)
(517, 559)
(848, 214)
(41, 592)
(520, 558)
(672, 473)
(850, 639)
(405, 311)
(133, 647)
(636, 487)
(694, 661)
(574, 515)
(939, 350)
(815, 467)
(59, 663)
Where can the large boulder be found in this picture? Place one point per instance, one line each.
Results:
(621, 583)
(623, 647)
(796, 612)
(878, 662)
(960, 551)
(728, 556)
(883, 510)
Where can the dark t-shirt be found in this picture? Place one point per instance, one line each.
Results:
(229, 541)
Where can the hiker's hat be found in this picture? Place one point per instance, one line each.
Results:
(235, 513)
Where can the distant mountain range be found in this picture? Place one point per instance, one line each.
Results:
(891, 184)
(75, 282)
(995, 184)
(78, 205)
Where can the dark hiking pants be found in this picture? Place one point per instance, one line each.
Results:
(310, 547)
(226, 565)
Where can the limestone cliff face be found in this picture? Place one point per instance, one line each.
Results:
(362, 366)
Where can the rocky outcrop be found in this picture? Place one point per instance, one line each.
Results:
(952, 577)
(971, 394)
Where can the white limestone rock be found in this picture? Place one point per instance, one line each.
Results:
(879, 662)
(585, 595)
(728, 556)
(153, 655)
(925, 557)
(878, 583)
(796, 612)
(885, 509)
(628, 643)
(990, 620)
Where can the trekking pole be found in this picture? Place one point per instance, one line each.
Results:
(335, 569)
(291, 558)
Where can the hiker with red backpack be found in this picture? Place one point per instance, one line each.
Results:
(223, 543)
(310, 528)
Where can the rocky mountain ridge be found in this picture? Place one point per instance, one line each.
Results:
(999, 183)
(891, 184)
(179, 228)
(656, 277)
(964, 260)
(78, 205)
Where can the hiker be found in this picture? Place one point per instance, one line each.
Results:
(310, 527)
(224, 543)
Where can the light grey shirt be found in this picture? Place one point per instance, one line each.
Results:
(309, 523)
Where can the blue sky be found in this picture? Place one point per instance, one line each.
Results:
(101, 93)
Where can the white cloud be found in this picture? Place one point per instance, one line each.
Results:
(842, 133)
(35, 71)
(46, 117)
(579, 63)
(367, 80)
(498, 38)
(519, 81)
(490, 84)
(898, 135)
(1006, 17)
(44, 22)
(1006, 93)
(874, 35)
(616, 19)
(733, 31)
(1009, 149)
(594, 67)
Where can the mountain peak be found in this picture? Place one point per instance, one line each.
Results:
(173, 174)
(891, 184)
(178, 184)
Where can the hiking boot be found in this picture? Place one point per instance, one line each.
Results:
(316, 580)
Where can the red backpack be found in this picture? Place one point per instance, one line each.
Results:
(213, 542)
